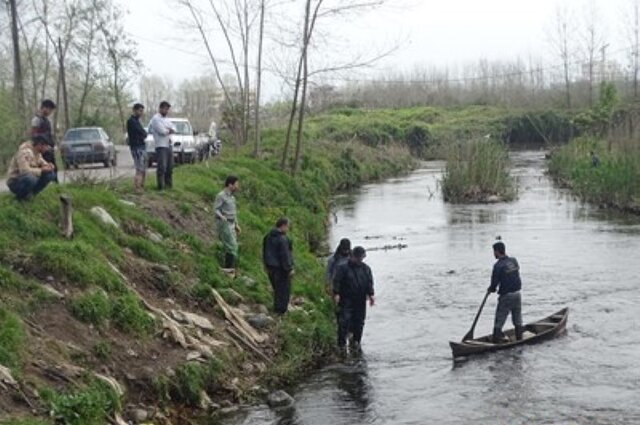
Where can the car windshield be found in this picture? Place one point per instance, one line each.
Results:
(183, 128)
(81, 134)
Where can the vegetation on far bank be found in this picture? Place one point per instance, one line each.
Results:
(165, 254)
(614, 182)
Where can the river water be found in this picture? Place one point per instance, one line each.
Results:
(427, 294)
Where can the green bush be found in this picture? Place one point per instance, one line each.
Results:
(93, 307)
(129, 316)
(11, 339)
(477, 170)
(90, 406)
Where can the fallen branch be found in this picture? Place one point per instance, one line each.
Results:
(238, 321)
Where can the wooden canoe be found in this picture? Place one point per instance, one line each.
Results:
(544, 329)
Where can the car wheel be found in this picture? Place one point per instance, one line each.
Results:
(114, 160)
(67, 166)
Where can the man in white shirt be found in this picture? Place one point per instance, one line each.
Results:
(162, 129)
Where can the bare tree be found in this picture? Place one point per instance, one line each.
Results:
(18, 84)
(257, 126)
(593, 42)
(561, 42)
(631, 19)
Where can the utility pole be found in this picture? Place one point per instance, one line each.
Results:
(17, 66)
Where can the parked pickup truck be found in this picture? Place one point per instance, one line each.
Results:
(183, 141)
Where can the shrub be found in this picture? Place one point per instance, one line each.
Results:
(90, 406)
(11, 339)
(93, 307)
(129, 316)
(477, 170)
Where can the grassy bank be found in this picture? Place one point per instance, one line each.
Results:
(613, 183)
(107, 306)
(428, 131)
(478, 171)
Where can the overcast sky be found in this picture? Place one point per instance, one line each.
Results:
(426, 32)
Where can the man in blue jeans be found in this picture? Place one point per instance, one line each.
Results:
(29, 173)
(136, 135)
(506, 280)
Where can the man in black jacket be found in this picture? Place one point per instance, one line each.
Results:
(352, 286)
(136, 135)
(276, 254)
(506, 277)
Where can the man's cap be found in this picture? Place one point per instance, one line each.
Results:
(359, 252)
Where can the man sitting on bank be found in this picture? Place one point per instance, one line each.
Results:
(506, 276)
(28, 172)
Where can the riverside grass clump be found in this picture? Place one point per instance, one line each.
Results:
(613, 182)
(478, 172)
(106, 274)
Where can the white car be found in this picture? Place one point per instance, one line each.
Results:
(183, 141)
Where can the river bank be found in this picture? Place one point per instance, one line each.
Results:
(609, 179)
(134, 317)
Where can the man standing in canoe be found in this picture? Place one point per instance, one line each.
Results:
(506, 280)
(352, 287)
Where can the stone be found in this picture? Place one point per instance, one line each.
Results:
(6, 377)
(259, 321)
(52, 291)
(139, 415)
(104, 216)
(247, 281)
(127, 203)
(198, 321)
(279, 399)
(493, 199)
(263, 309)
(154, 237)
(193, 355)
(229, 410)
(50, 279)
(161, 268)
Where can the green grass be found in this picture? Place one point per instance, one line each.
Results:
(92, 307)
(613, 183)
(89, 406)
(11, 339)
(476, 171)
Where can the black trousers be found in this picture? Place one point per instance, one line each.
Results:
(164, 170)
(281, 283)
(351, 317)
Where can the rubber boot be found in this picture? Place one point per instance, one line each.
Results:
(498, 336)
(229, 261)
(519, 332)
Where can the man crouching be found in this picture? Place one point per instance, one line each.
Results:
(29, 173)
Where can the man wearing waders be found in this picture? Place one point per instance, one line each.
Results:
(227, 222)
(506, 277)
(352, 286)
(277, 258)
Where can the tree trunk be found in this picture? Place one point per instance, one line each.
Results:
(292, 116)
(63, 82)
(18, 85)
(247, 96)
(303, 97)
(257, 129)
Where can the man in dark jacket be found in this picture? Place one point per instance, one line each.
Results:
(352, 286)
(136, 135)
(506, 280)
(41, 127)
(276, 254)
